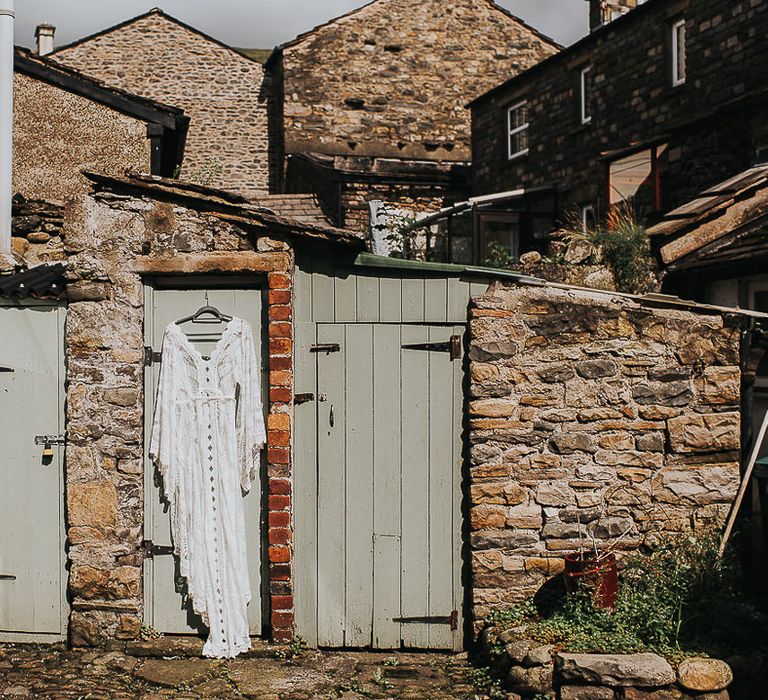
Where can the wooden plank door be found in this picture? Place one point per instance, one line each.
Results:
(388, 541)
(32, 560)
(166, 608)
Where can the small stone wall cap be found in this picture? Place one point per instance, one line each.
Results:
(704, 675)
(644, 670)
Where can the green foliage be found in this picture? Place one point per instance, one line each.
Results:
(624, 245)
(487, 681)
(498, 256)
(294, 650)
(679, 599)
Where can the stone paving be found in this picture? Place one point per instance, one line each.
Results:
(55, 673)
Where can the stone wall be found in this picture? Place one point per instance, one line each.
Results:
(633, 102)
(592, 416)
(220, 89)
(393, 78)
(57, 133)
(36, 231)
(112, 240)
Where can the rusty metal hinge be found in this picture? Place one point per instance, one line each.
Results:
(452, 620)
(7, 577)
(299, 399)
(152, 550)
(325, 347)
(452, 346)
(150, 356)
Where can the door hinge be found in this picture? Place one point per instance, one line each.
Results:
(325, 347)
(299, 399)
(452, 620)
(152, 550)
(7, 369)
(7, 577)
(151, 357)
(48, 440)
(452, 346)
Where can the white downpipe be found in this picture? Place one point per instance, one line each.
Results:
(6, 123)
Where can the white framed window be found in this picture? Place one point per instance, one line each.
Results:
(517, 130)
(586, 95)
(678, 52)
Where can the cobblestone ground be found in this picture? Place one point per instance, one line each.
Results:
(54, 672)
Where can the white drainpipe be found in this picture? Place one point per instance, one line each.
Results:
(6, 124)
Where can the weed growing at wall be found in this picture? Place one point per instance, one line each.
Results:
(679, 599)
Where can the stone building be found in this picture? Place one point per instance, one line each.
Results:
(65, 121)
(657, 105)
(220, 88)
(360, 526)
(371, 104)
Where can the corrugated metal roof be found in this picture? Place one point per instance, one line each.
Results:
(40, 282)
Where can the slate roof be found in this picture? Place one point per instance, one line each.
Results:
(40, 282)
(228, 205)
(301, 207)
(725, 215)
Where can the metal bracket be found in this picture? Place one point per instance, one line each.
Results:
(7, 577)
(48, 440)
(300, 399)
(6, 369)
(152, 550)
(151, 357)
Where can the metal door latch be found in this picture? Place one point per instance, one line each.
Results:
(152, 550)
(48, 441)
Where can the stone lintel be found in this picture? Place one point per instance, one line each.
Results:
(213, 262)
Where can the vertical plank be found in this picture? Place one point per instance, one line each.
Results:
(367, 298)
(413, 301)
(386, 485)
(390, 292)
(359, 485)
(435, 300)
(302, 295)
(477, 289)
(345, 293)
(441, 484)
(305, 484)
(415, 486)
(331, 490)
(458, 300)
(323, 295)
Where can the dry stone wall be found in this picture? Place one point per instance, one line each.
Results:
(220, 89)
(393, 78)
(592, 417)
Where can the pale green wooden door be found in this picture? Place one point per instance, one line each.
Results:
(166, 607)
(389, 408)
(32, 574)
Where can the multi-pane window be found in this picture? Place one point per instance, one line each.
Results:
(678, 52)
(517, 128)
(586, 95)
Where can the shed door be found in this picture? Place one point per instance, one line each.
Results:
(389, 472)
(32, 574)
(166, 607)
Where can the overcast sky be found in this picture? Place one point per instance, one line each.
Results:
(256, 23)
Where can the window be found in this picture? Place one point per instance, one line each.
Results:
(586, 95)
(678, 53)
(640, 178)
(517, 127)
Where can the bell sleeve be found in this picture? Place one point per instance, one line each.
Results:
(251, 433)
(162, 429)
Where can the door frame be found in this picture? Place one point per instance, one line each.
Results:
(199, 281)
(45, 637)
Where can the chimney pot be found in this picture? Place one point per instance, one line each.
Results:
(44, 35)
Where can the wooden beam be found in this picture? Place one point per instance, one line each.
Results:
(190, 263)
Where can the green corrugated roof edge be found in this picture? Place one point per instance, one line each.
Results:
(381, 261)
